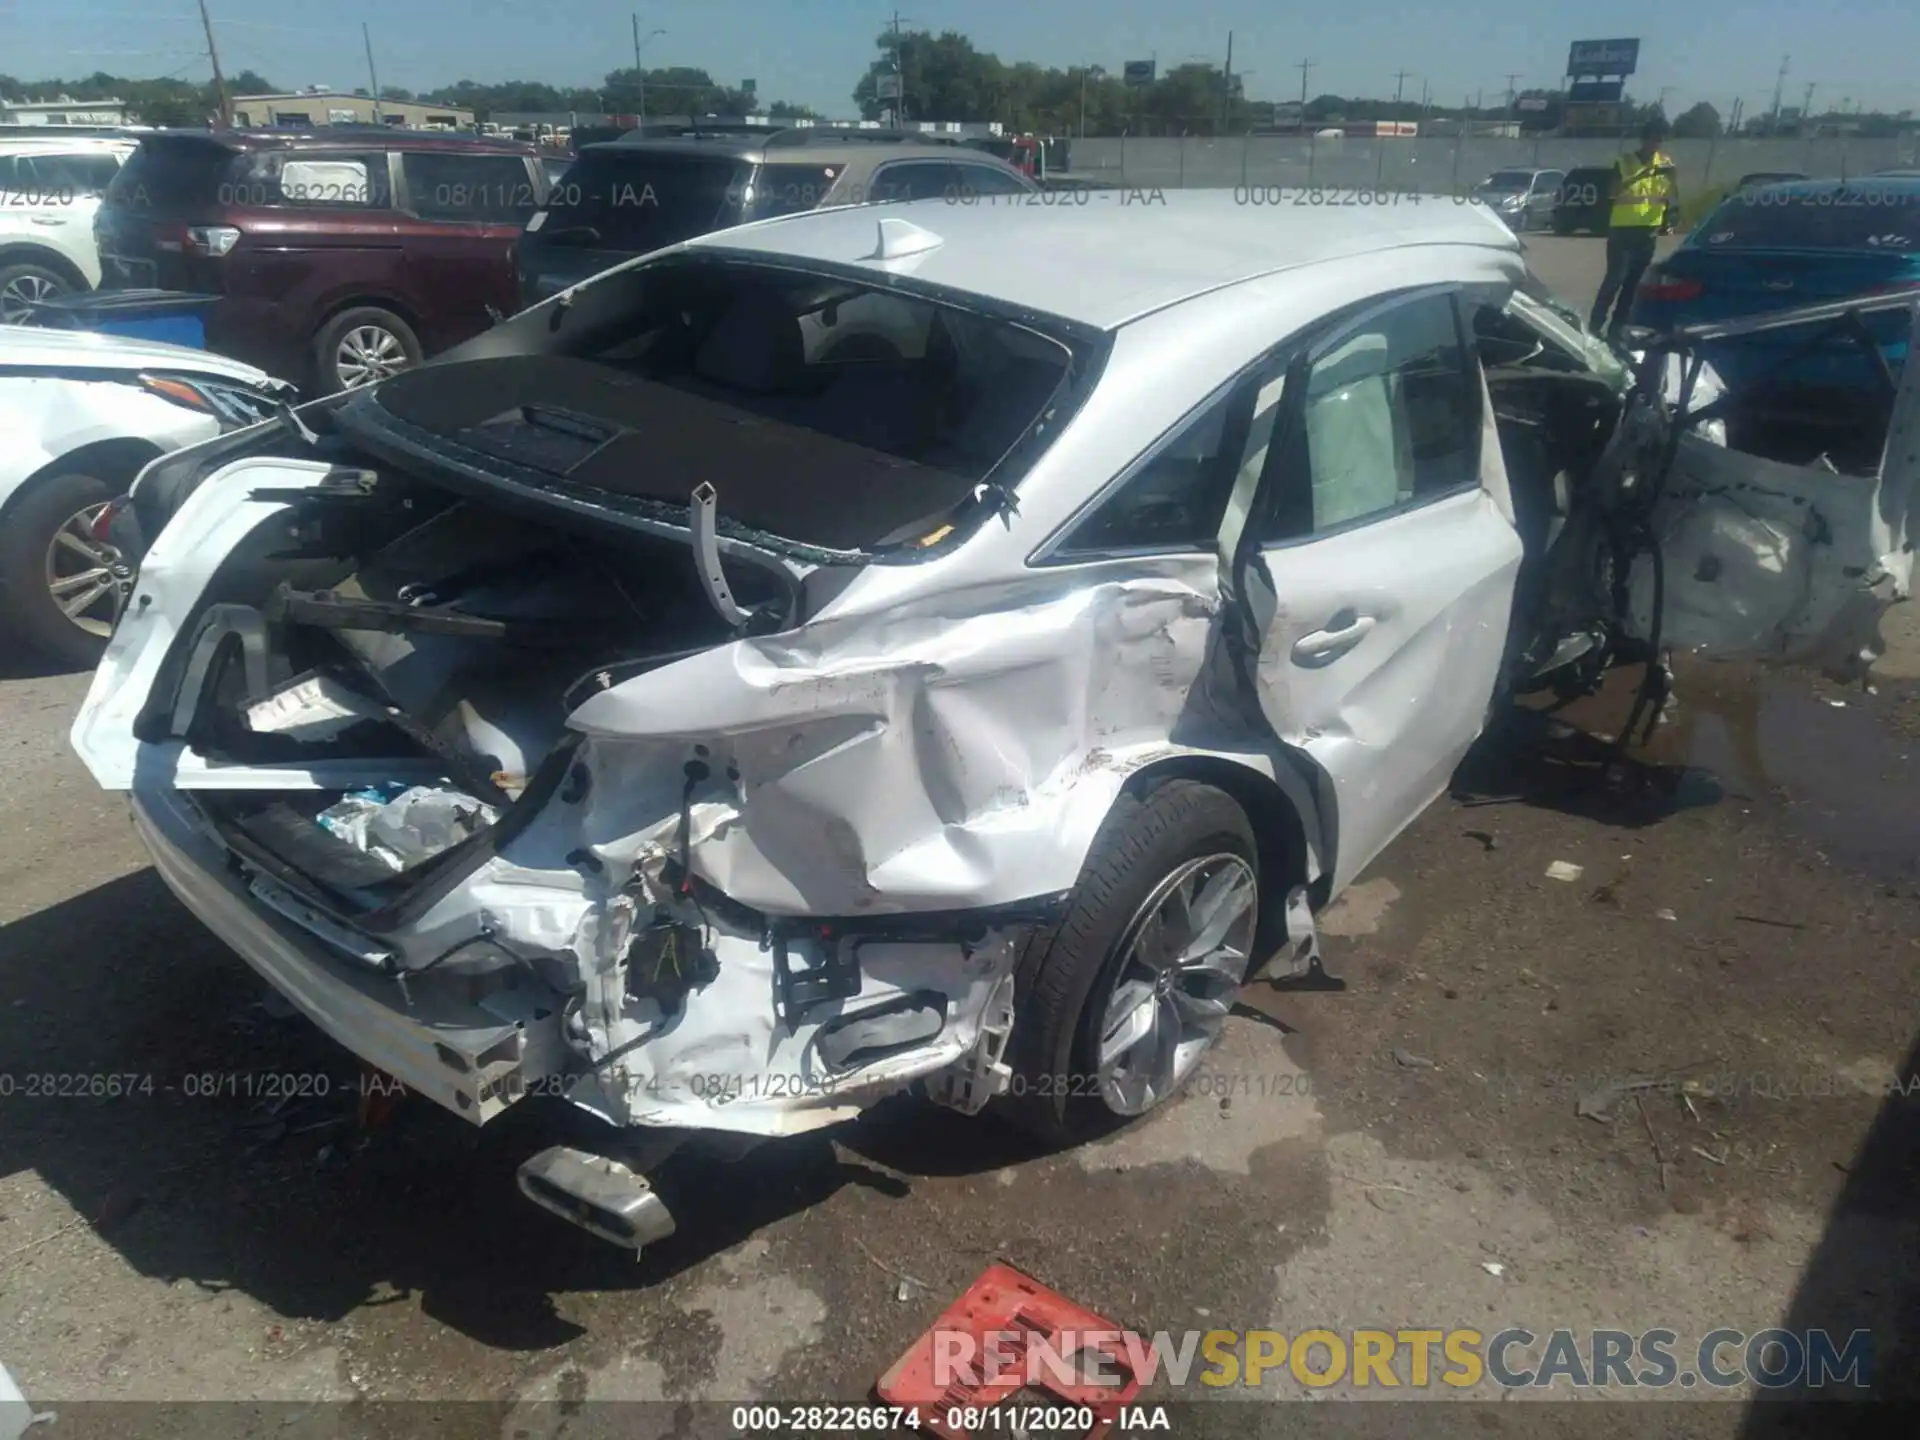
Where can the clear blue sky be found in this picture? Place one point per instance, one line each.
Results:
(813, 51)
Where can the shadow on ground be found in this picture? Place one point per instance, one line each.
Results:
(19, 663)
(189, 1177)
(1865, 1275)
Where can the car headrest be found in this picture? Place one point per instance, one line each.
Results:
(756, 345)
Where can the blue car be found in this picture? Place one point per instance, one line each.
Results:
(1778, 247)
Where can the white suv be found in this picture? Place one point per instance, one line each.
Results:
(49, 190)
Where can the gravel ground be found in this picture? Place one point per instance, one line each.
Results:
(1368, 1155)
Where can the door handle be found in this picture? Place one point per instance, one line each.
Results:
(47, 219)
(1342, 633)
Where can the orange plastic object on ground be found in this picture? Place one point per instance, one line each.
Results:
(977, 1355)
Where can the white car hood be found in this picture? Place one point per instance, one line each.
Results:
(29, 347)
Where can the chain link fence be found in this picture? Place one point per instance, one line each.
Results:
(1439, 165)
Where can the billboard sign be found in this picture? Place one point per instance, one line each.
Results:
(1138, 72)
(1603, 57)
(886, 87)
(1596, 92)
(1531, 104)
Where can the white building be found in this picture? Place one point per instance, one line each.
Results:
(64, 111)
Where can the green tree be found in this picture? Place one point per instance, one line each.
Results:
(1697, 122)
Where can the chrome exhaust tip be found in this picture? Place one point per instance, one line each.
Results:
(600, 1195)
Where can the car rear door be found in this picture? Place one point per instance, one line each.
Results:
(48, 199)
(460, 215)
(1373, 569)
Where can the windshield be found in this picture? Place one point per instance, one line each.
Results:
(825, 411)
(1862, 216)
(1506, 182)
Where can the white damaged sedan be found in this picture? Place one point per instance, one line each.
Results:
(958, 648)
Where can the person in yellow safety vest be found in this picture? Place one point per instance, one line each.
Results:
(1646, 201)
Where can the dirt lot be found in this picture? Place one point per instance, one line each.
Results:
(1404, 1150)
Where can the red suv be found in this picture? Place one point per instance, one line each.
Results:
(339, 256)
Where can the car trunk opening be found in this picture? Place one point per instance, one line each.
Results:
(407, 660)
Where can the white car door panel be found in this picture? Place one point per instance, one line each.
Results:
(1380, 649)
(1381, 571)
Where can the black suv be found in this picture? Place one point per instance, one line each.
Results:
(642, 193)
(1585, 198)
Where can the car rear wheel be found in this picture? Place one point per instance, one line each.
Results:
(1116, 1007)
(62, 584)
(24, 286)
(361, 346)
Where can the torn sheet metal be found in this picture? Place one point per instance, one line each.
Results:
(1770, 561)
(950, 754)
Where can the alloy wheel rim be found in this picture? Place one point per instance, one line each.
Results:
(1184, 954)
(84, 576)
(22, 293)
(368, 353)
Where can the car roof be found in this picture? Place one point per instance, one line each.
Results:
(375, 137)
(1120, 254)
(758, 146)
(68, 142)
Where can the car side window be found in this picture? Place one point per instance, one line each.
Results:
(60, 179)
(1175, 496)
(306, 180)
(476, 189)
(972, 180)
(911, 180)
(1390, 418)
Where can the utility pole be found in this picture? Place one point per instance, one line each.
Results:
(1779, 84)
(219, 80)
(899, 77)
(1226, 87)
(373, 78)
(1806, 109)
(640, 75)
(1083, 102)
(1399, 87)
(1303, 67)
(1512, 77)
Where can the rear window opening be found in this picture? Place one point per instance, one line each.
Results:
(825, 411)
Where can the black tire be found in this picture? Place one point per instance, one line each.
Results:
(327, 376)
(47, 281)
(1063, 978)
(26, 532)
